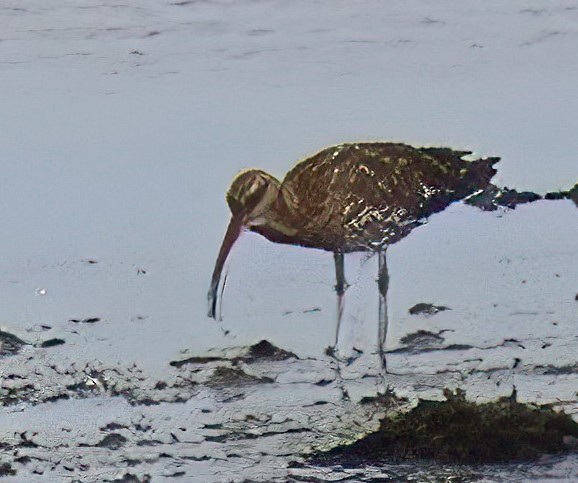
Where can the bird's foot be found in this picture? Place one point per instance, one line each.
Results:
(333, 352)
(341, 288)
(385, 370)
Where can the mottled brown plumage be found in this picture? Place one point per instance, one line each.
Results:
(350, 197)
(355, 197)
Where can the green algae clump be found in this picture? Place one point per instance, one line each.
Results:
(459, 431)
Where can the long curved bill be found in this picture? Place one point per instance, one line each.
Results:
(233, 232)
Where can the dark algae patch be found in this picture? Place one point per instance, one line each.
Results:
(113, 441)
(459, 431)
(89, 320)
(427, 309)
(10, 344)
(259, 352)
(195, 360)
(6, 470)
(52, 343)
(571, 194)
(265, 351)
(232, 376)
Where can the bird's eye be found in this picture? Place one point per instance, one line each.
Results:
(254, 195)
(245, 197)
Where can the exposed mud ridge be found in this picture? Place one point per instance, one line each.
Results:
(457, 430)
(50, 383)
(427, 341)
(556, 370)
(44, 383)
(260, 352)
(36, 459)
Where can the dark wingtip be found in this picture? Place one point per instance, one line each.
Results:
(492, 161)
(480, 172)
(485, 164)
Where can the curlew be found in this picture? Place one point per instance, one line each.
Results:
(351, 197)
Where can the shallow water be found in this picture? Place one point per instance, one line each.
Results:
(122, 127)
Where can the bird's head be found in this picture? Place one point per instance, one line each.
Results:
(251, 195)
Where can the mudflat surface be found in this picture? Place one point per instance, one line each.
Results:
(122, 126)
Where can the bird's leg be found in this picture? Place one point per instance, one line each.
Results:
(383, 285)
(340, 287)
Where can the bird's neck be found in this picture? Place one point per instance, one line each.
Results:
(280, 222)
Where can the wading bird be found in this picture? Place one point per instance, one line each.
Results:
(351, 197)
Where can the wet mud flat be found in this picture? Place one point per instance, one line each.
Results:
(210, 419)
(73, 409)
(159, 101)
(261, 413)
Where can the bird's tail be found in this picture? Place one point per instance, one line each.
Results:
(463, 178)
(477, 177)
(473, 183)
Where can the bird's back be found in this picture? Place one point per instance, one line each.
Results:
(362, 196)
